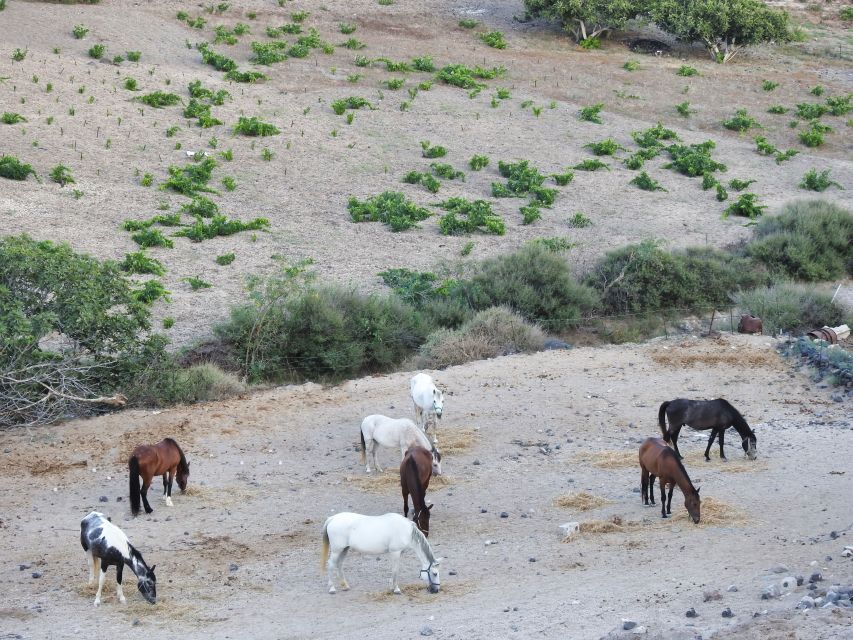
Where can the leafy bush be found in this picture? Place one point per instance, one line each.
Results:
(151, 238)
(778, 109)
(693, 160)
(12, 118)
(579, 221)
(97, 51)
(197, 283)
(769, 85)
(216, 60)
(746, 206)
(464, 216)
(200, 206)
(268, 53)
(353, 44)
(494, 332)
(809, 240)
(839, 105)
(352, 102)
(562, 179)
(423, 63)
(650, 138)
(790, 308)
(191, 179)
(530, 213)
(605, 148)
(346, 28)
(446, 171)
(631, 65)
(150, 292)
(645, 277)
(810, 110)
(254, 127)
(478, 162)
(740, 185)
(225, 259)
(159, 99)
(134, 56)
(61, 175)
(468, 23)
(390, 208)
(494, 39)
(13, 169)
(591, 113)
(585, 20)
(139, 263)
(463, 77)
(684, 109)
(591, 164)
(812, 137)
(130, 84)
(246, 77)
(815, 181)
(645, 182)
(429, 151)
(220, 225)
(80, 31)
(740, 122)
(686, 71)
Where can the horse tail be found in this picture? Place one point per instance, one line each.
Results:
(662, 420)
(133, 468)
(363, 446)
(324, 553)
(182, 465)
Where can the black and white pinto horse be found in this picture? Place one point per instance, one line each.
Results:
(105, 544)
(716, 415)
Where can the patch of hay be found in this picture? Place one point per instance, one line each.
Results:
(390, 480)
(195, 491)
(719, 353)
(452, 441)
(712, 512)
(597, 527)
(43, 468)
(418, 591)
(608, 459)
(581, 501)
(224, 496)
(695, 461)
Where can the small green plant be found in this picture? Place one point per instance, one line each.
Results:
(778, 109)
(350, 117)
(591, 164)
(219, 225)
(299, 16)
(423, 63)
(150, 292)
(352, 102)
(846, 14)
(80, 31)
(430, 151)
(200, 207)
(171, 131)
(579, 221)
(267, 155)
(151, 238)
(130, 84)
(385, 3)
(530, 213)
(354, 77)
(686, 71)
(591, 113)
(740, 122)
(134, 56)
(346, 28)
(197, 283)
(13, 169)
(765, 148)
(562, 179)
(693, 160)
(464, 216)
(478, 162)
(246, 77)
(353, 44)
(606, 147)
(722, 194)
(446, 171)
(468, 23)
(12, 118)
(168, 323)
(645, 182)
(817, 91)
(97, 51)
(811, 110)
(141, 264)
(159, 99)
(254, 127)
(814, 181)
(769, 85)
(268, 53)
(225, 259)
(390, 208)
(147, 180)
(631, 65)
(77, 194)
(812, 137)
(117, 60)
(839, 105)
(745, 206)
(784, 156)
(191, 179)
(590, 43)
(61, 175)
(430, 182)
(467, 248)
(362, 61)
(684, 109)
(18, 55)
(394, 83)
(740, 185)
(229, 183)
(494, 39)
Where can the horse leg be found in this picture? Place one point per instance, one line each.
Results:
(674, 438)
(171, 473)
(710, 443)
(669, 499)
(722, 455)
(119, 592)
(395, 569)
(90, 562)
(146, 482)
(373, 453)
(652, 487)
(101, 577)
(341, 558)
(165, 484)
(662, 498)
(644, 484)
(406, 502)
(332, 569)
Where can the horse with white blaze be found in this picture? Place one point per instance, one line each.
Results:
(428, 401)
(390, 533)
(394, 432)
(105, 544)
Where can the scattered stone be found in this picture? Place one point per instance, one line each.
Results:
(136, 622)
(800, 581)
(832, 596)
(506, 609)
(789, 583)
(504, 514)
(805, 602)
(779, 568)
(847, 553)
(476, 463)
(727, 613)
(7, 451)
(233, 567)
(770, 591)
(711, 594)
(36, 574)
(691, 613)
(732, 588)
(833, 534)
(483, 510)
(119, 498)
(638, 630)
(627, 625)
(426, 631)
(816, 577)
(103, 499)
(570, 528)
(451, 572)
(553, 343)
(24, 567)
(531, 559)
(636, 489)
(818, 602)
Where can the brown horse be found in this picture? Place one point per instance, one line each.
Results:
(162, 459)
(657, 459)
(415, 472)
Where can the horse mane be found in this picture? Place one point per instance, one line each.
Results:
(683, 470)
(420, 540)
(738, 422)
(182, 465)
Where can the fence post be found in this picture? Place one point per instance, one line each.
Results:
(711, 326)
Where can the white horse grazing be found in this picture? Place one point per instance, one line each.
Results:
(394, 432)
(377, 535)
(428, 400)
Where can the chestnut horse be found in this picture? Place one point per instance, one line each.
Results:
(162, 459)
(415, 472)
(657, 459)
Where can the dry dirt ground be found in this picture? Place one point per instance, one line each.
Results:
(304, 189)
(238, 555)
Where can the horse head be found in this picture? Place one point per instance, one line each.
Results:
(691, 501)
(436, 461)
(182, 476)
(750, 446)
(421, 518)
(147, 585)
(429, 574)
(437, 401)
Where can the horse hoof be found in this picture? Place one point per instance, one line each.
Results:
(123, 600)
(332, 590)
(97, 603)
(345, 586)
(397, 591)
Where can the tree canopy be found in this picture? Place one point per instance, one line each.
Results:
(586, 18)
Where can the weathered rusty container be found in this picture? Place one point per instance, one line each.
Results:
(750, 324)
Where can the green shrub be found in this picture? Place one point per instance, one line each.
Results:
(746, 206)
(12, 118)
(352, 102)
(778, 109)
(684, 109)
(430, 151)
(650, 138)
(809, 240)
(494, 39)
(13, 169)
(130, 84)
(97, 51)
(216, 60)
(810, 111)
(631, 65)
(709, 181)
(562, 179)
(151, 238)
(200, 206)
(765, 148)
(423, 63)
(134, 56)
(769, 85)
(197, 283)
(468, 23)
(646, 278)
(346, 28)
(446, 171)
(491, 333)
(463, 77)
(783, 156)
(530, 213)
(464, 216)
(591, 164)
(579, 221)
(740, 122)
(693, 160)
(722, 194)
(390, 208)
(645, 182)
(254, 127)
(268, 53)
(61, 175)
(740, 185)
(150, 292)
(815, 181)
(812, 137)
(686, 71)
(591, 113)
(521, 179)
(191, 179)
(478, 162)
(220, 225)
(394, 83)
(790, 308)
(225, 259)
(817, 91)
(159, 99)
(839, 105)
(246, 77)
(590, 43)
(80, 31)
(605, 148)
(18, 55)
(139, 263)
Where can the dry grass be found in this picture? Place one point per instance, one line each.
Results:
(695, 461)
(418, 591)
(713, 513)
(608, 459)
(390, 480)
(454, 440)
(581, 501)
(43, 468)
(719, 352)
(224, 496)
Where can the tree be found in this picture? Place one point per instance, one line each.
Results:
(586, 18)
(724, 26)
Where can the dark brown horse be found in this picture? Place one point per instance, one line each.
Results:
(659, 460)
(415, 472)
(162, 459)
(716, 415)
